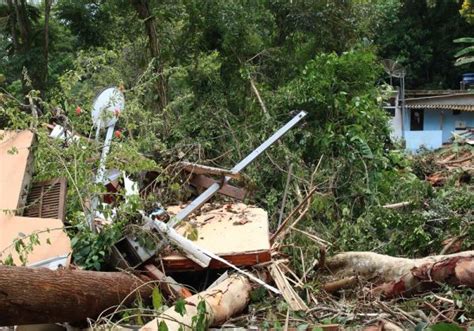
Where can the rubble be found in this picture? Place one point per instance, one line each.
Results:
(227, 236)
(229, 240)
(450, 160)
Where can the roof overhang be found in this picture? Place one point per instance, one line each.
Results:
(458, 101)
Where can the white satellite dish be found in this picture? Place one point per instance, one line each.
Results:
(393, 68)
(106, 110)
(107, 107)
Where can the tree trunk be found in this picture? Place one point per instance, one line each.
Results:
(143, 10)
(222, 302)
(33, 296)
(11, 9)
(456, 270)
(397, 276)
(22, 42)
(24, 23)
(47, 11)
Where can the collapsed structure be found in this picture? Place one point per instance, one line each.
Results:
(199, 235)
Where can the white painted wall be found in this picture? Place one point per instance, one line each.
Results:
(396, 124)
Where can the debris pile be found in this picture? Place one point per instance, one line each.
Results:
(452, 160)
(225, 248)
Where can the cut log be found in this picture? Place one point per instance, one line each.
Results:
(384, 267)
(222, 301)
(34, 296)
(402, 275)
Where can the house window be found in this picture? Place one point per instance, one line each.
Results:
(416, 119)
(456, 112)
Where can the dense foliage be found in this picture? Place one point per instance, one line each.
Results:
(208, 81)
(191, 73)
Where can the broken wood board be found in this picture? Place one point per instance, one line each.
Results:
(202, 182)
(53, 241)
(292, 298)
(15, 168)
(236, 232)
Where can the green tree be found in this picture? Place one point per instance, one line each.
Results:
(420, 38)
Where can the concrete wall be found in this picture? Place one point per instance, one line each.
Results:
(435, 120)
(430, 139)
(396, 124)
(450, 119)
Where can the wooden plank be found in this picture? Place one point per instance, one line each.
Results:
(199, 169)
(235, 232)
(292, 298)
(201, 181)
(240, 260)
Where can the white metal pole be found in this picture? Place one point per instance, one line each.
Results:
(100, 174)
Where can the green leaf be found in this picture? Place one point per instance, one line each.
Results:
(162, 326)
(9, 260)
(192, 234)
(464, 40)
(464, 60)
(445, 327)
(157, 299)
(464, 51)
(180, 307)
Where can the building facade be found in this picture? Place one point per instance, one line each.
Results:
(430, 119)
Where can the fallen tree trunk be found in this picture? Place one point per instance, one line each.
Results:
(458, 270)
(33, 296)
(222, 301)
(402, 275)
